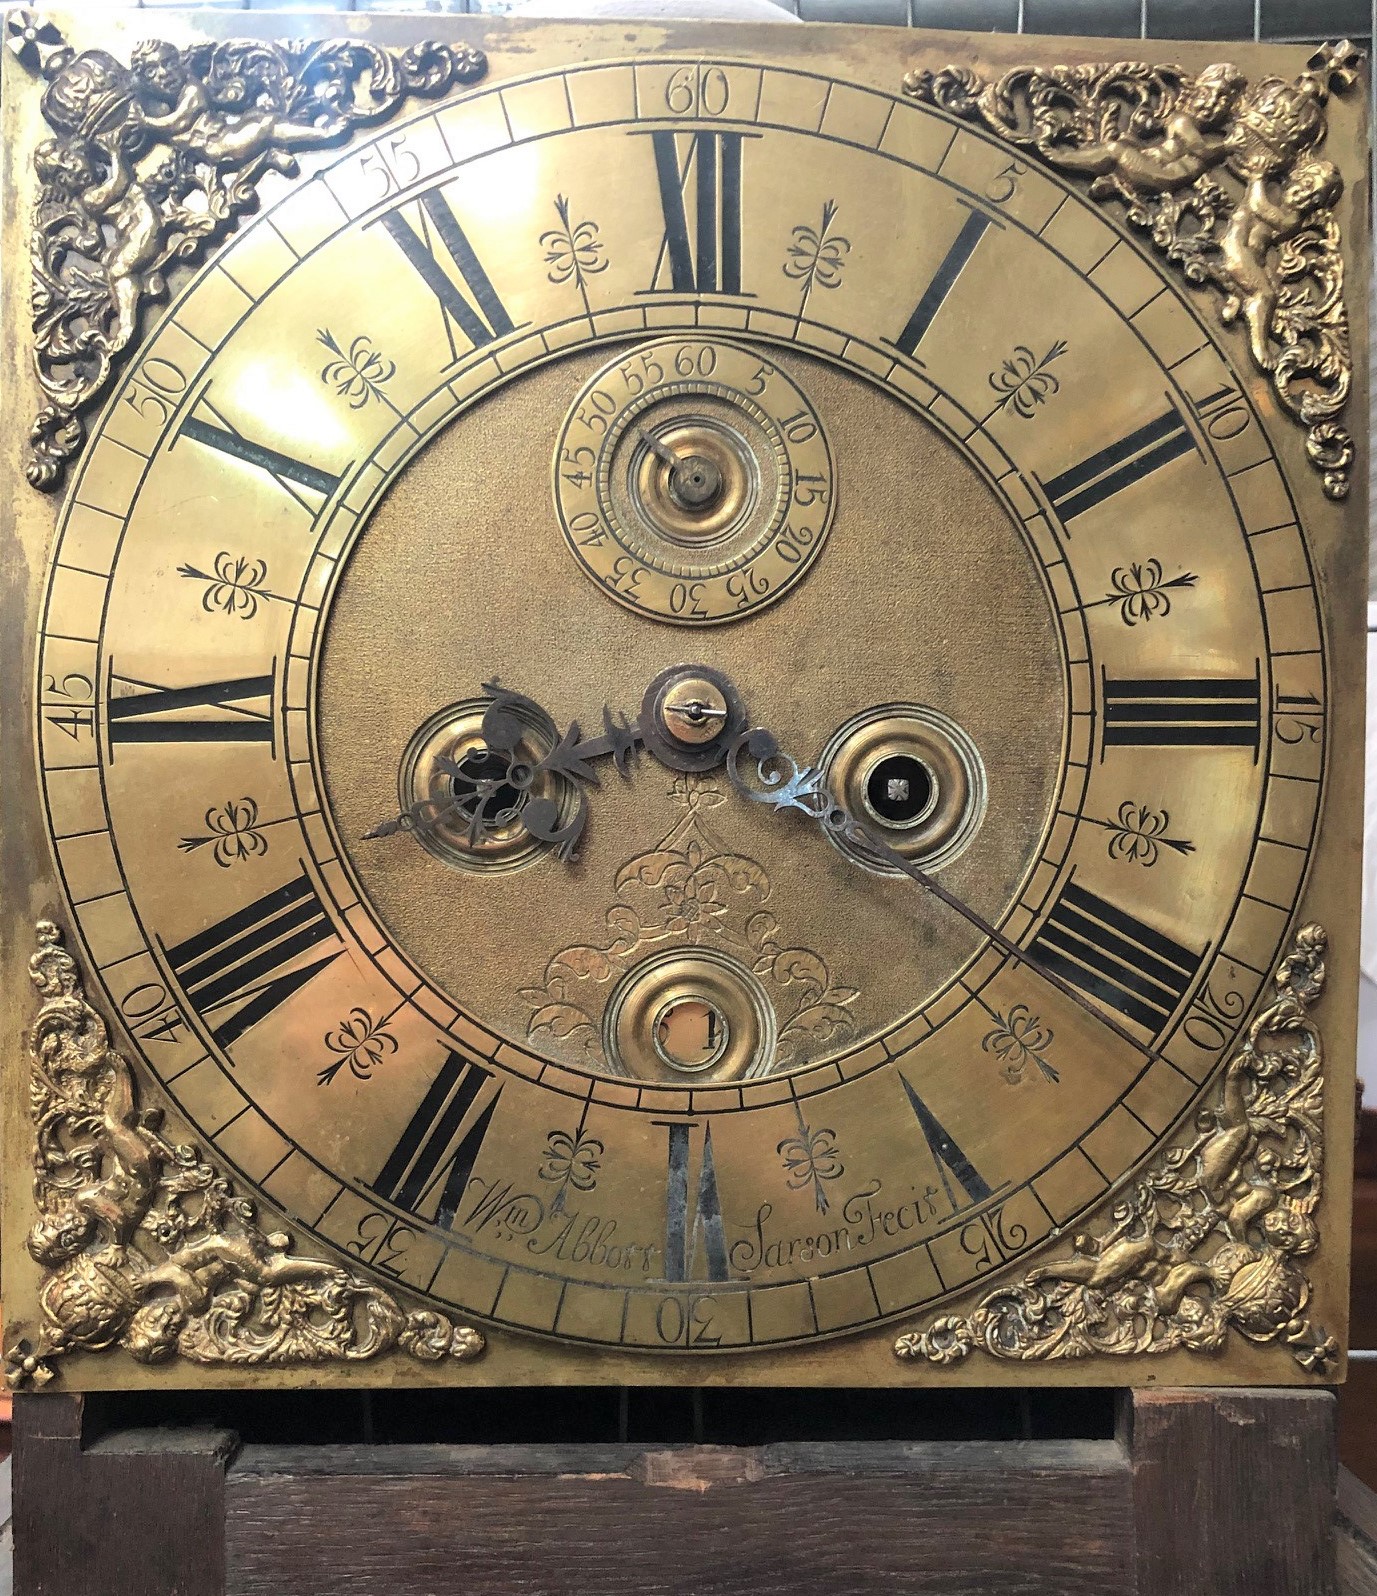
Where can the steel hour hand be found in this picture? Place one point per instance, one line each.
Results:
(687, 717)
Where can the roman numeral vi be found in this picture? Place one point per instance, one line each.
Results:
(691, 1220)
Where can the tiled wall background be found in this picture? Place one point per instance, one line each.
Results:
(1162, 19)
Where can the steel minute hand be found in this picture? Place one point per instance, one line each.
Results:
(785, 784)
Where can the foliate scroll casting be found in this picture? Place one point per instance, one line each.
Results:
(1210, 1239)
(146, 1246)
(1225, 178)
(153, 162)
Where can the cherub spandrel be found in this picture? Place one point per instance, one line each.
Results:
(1244, 268)
(1195, 138)
(130, 205)
(221, 138)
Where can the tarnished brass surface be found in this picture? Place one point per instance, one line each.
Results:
(1213, 1237)
(155, 161)
(1226, 178)
(935, 401)
(148, 1247)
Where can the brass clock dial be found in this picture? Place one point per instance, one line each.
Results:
(599, 368)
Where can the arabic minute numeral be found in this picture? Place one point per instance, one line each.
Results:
(686, 1322)
(1004, 184)
(625, 577)
(391, 165)
(1298, 717)
(698, 91)
(1224, 414)
(642, 370)
(1213, 1017)
(594, 411)
(155, 390)
(382, 1242)
(686, 598)
(747, 586)
(587, 527)
(151, 1014)
(695, 360)
(574, 464)
(67, 716)
(799, 428)
(792, 543)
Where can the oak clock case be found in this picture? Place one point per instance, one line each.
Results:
(695, 706)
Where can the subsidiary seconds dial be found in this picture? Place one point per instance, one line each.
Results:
(693, 480)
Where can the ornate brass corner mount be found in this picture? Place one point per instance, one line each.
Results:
(146, 1246)
(153, 162)
(1209, 1238)
(1225, 178)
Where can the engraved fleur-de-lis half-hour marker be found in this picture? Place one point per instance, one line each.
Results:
(812, 1158)
(817, 256)
(1024, 382)
(1139, 834)
(573, 251)
(570, 1161)
(358, 375)
(1018, 1039)
(360, 1043)
(1142, 592)
(233, 832)
(234, 586)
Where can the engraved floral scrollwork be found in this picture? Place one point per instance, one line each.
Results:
(1224, 178)
(154, 161)
(689, 890)
(1208, 1239)
(145, 1246)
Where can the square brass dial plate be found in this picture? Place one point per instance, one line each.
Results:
(385, 399)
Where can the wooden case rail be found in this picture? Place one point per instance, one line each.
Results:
(1202, 1493)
